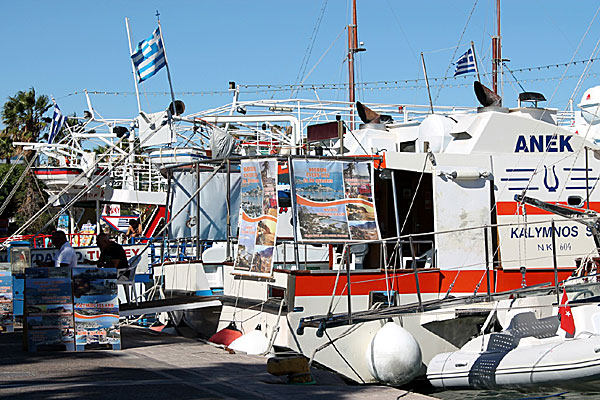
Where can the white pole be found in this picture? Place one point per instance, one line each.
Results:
(89, 103)
(166, 61)
(135, 81)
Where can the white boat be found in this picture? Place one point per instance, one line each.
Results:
(529, 352)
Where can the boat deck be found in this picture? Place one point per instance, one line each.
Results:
(155, 365)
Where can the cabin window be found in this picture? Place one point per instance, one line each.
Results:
(418, 220)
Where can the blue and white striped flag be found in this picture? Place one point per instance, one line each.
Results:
(465, 64)
(149, 56)
(57, 122)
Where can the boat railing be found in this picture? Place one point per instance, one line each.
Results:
(141, 176)
(310, 112)
(565, 118)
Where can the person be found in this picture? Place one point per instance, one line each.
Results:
(112, 255)
(66, 256)
(134, 229)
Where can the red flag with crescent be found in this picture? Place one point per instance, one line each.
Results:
(567, 323)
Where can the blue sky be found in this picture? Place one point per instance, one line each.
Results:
(63, 47)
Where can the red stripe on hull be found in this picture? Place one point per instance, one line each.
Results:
(510, 208)
(57, 172)
(431, 282)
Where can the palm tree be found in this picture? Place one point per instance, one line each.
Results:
(22, 116)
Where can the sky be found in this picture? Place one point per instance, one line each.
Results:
(63, 47)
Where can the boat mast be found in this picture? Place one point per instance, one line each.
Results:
(352, 49)
(496, 50)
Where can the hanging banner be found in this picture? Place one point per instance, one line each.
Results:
(334, 200)
(258, 217)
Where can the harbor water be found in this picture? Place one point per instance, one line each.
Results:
(558, 394)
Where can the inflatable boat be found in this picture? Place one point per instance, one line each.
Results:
(531, 352)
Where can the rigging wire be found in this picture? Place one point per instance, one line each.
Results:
(320, 59)
(592, 57)
(12, 168)
(17, 184)
(514, 77)
(311, 44)
(456, 49)
(372, 85)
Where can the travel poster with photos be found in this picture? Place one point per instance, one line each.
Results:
(334, 200)
(49, 309)
(258, 217)
(96, 308)
(7, 318)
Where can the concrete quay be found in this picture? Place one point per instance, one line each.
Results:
(159, 366)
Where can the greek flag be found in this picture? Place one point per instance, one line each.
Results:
(57, 122)
(465, 64)
(149, 56)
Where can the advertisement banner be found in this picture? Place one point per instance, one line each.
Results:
(96, 308)
(258, 217)
(334, 200)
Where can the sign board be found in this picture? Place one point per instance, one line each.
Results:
(96, 308)
(258, 217)
(334, 200)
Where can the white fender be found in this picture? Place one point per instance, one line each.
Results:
(393, 356)
(254, 342)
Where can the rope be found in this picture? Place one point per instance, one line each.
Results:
(275, 330)
(412, 202)
(14, 189)
(11, 170)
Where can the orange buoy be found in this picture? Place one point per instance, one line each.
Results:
(226, 335)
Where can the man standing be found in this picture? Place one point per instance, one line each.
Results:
(66, 256)
(112, 255)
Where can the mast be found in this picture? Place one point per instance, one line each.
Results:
(352, 49)
(496, 50)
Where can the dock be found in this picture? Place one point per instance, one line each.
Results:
(154, 365)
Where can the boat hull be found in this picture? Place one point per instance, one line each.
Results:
(570, 363)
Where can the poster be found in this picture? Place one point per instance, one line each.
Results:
(85, 236)
(96, 308)
(334, 200)
(7, 319)
(258, 217)
(49, 309)
(63, 223)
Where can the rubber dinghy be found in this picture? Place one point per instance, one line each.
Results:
(529, 353)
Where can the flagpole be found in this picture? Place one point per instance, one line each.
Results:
(135, 81)
(427, 82)
(166, 61)
(475, 59)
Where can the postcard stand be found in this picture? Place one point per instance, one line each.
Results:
(96, 308)
(49, 309)
(7, 318)
(72, 309)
